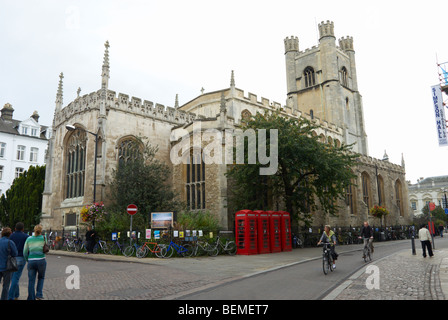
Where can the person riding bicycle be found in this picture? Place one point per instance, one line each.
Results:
(367, 236)
(328, 236)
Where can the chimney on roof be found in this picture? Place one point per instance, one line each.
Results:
(7, 112)
(35, 116)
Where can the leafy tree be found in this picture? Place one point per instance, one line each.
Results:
(438, 216)
(23, 200)
(141, 180)
(310, 175)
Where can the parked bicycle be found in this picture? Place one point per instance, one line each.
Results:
(70, 244)
(129, 250)
(228, 247)
(101, 247)
(81, 246)
(203, 247)
(117, 248)
(167, 251)
(297, 241)
(148, 247)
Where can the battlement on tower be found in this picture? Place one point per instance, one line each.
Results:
(291, 44)
(346, 44)
(326, 29)
(122, 102)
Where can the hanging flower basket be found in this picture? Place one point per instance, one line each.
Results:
(379, 212)
(95, 212)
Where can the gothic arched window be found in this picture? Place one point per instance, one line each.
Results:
(398, 196)
(245, 115)
(381, 200)
(308, 74)
(128, 149)
(75, 164)
(195, 181)
(366, 193)
(344, 77)
(350, 197)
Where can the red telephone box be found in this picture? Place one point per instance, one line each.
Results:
(264, 240)
(246, 232)
(285, 230)
(275, 231)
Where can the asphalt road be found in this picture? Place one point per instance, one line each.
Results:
(304, 281)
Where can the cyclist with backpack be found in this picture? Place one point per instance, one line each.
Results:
(328, 236)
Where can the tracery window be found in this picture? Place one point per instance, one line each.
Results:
(350, 198)
(76, 164)
(245, 114)
(381, 194)
(366, 193)
(398, 196)
(128, 149)
(195, 182)
(309, 77)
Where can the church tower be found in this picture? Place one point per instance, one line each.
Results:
(322, 83)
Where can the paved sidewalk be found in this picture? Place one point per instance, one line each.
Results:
(402, 276)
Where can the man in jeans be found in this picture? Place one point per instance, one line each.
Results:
(19, 238)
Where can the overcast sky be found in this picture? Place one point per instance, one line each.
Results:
(162, 48)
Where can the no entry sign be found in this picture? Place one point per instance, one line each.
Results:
(132, 209)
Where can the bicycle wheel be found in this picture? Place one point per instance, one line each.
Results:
(230, 248)
(166, 251)
(325, 264)
(157, 251)
(187, 250)
(106, 248)
(212, 250)
(365, 253)
(129, 251)
(113, 248)
(142, 252)
(70, 246)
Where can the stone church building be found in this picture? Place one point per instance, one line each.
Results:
(321, 86)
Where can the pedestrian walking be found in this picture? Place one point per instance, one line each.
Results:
(426, 240)
(90, 238)
(19, 238)
(37, 264)
(7, 248)
(441, 230)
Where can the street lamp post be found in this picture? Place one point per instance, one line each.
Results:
(73, 128)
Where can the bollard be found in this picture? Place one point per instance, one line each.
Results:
(413, 245)
(412, 231)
